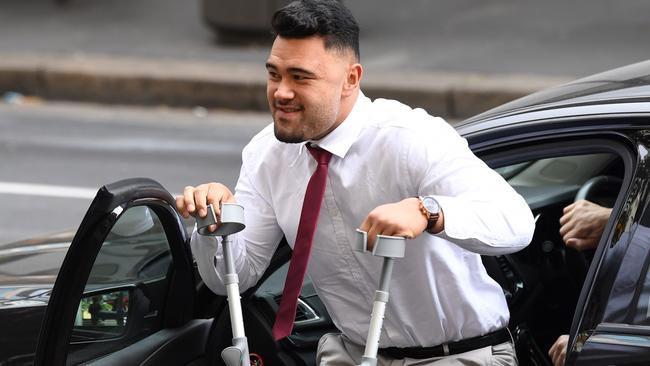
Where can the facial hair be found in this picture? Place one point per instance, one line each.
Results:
(316, 122)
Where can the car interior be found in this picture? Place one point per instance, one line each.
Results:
(542, 282)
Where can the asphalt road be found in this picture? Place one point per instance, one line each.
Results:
(54, 157)
(572, 38)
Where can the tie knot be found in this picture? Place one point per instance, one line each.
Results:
(321, 156)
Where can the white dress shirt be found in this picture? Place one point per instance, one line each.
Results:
(383, 152)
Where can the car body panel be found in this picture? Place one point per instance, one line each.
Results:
(28, 269)
(625, 85)
(615, 344)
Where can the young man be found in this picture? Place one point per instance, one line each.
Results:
(382, 167)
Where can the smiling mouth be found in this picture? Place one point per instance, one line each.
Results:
(288, 109)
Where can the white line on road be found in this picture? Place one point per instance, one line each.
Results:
(29, 189)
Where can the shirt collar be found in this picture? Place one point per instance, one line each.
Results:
(339, 141)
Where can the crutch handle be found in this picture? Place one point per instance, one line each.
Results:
(385, 246)
(231, 220)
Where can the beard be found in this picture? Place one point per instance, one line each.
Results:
(313, 124)
(286, 137)
(287, 134)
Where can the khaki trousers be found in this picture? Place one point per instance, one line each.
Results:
(336, 350)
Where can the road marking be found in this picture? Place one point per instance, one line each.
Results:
(29, 189)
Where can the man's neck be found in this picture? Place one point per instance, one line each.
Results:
(347, 105)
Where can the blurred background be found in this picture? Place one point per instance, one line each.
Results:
(93, 91)
(567, 38)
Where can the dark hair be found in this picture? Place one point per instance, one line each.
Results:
(326, 18)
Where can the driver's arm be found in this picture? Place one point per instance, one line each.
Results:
(582, 224)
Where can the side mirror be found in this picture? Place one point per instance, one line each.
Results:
(102, 314)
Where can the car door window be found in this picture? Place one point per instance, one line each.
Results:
(629, 300)
(548, 181)
(542, 283)
(136, 249)
(126, 288)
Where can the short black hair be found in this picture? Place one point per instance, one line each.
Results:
(329, 19)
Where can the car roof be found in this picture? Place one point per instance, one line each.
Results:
(618, 89)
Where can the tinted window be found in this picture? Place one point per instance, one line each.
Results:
(135, 250)
(629, 300)
(125, 291)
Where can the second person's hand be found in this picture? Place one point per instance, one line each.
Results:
(582, 224)
(557, 353)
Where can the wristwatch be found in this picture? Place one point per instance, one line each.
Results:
(431, 210)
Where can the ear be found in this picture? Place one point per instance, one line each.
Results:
(352, 79)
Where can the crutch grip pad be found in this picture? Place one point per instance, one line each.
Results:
(385, 246)
(230, 222)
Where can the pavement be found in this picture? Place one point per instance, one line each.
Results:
(241, 86)
(158, 52)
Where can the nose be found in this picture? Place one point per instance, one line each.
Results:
(284, 91)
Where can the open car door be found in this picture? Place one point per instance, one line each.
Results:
(612, 323)
(125, 292)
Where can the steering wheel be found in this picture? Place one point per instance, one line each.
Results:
(603, 184)
(601, 190)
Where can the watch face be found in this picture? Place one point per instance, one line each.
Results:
(430, 204)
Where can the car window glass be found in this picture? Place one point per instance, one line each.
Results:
(136, 249)
(566, 170)
(124, 292)
(556, 180)
(632, 283)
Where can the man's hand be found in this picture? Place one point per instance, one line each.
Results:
(582, 224)
(557, 353)
(402, 218)
(195, 200)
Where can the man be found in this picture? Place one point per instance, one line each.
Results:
(378, 159)
(581, 226)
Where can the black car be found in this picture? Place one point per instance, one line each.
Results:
(127, 292)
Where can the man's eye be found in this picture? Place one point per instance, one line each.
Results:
(299, 77)
(274, 75)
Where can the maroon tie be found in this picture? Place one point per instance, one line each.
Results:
(301, 249)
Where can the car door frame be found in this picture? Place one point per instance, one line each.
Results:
(592, 340)
(111, 200)
(557, 125)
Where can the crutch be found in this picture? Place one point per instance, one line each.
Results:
(388, 247)
(230, 222)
